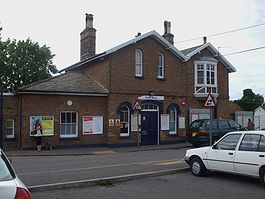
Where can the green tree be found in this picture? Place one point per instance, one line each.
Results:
(24, 62)
(250, 101)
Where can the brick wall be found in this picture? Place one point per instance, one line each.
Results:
(11, 111)
(52, 105)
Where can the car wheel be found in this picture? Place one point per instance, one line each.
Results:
(262, 175)
(197, 167)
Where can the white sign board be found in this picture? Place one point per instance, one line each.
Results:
(134, 122)
(92, 125)
(149, 97)
(165, 122)
(182, 122)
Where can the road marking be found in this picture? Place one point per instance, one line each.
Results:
(170, 162)
(104, 152)
(104, 166)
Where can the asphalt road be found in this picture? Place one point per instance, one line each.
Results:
(177, 186)
(42, 170)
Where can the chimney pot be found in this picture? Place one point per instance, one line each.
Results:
(167, 32)
(89, 20)
(204, 40)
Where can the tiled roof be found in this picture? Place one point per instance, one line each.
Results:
(71, 82)
(189, 50)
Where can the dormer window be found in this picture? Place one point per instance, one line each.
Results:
(138, 63)
(160, 66)
(205, 77)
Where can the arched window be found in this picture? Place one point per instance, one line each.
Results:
(160, 66)
(138, 63)
(124, 112)
(173, 111)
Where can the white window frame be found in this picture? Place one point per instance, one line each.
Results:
(76, 125)
(138, 63)
(128, 122)
(173, 121)
(202, 89)
(160, 66)
(10, 127)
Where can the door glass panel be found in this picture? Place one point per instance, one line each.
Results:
(229, 142)
(250, 143)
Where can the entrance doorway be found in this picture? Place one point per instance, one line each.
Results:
(149, 125)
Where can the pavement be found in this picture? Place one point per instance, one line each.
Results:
(95, 150)
(100, 151)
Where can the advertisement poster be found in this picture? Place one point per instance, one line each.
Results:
(92, 125)
(47, 123)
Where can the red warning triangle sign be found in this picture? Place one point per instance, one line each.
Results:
(210, 101)
(137, 105)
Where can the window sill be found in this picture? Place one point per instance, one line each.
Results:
(161, 78)
(70, 139)
(139, 77)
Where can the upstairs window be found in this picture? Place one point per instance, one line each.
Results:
(138, 63)
(205, 78)
(160, 66)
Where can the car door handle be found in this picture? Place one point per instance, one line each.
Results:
(230, 153)
(262, 156)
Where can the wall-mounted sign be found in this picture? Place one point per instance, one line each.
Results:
(149, 97)
(134, 121)
(165, 122)
(92, 125)
(111, 122)
(117, 122)
(47, 123)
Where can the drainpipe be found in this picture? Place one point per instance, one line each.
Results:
(20, 122)
(1, 117)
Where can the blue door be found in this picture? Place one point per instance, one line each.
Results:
(149, 127)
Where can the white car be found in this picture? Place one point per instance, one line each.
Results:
(11, 186)
(236, 152)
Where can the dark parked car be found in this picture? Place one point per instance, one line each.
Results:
(198, 132)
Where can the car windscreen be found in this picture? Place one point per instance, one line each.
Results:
(5, 172)
(197, 125)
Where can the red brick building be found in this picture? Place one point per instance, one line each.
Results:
(91, 102)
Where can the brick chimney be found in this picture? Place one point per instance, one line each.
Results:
(167, 32)
(88, 39)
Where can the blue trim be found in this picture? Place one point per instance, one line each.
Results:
(173, 105)
(128, 104)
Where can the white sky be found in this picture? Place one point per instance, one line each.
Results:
(57, 24)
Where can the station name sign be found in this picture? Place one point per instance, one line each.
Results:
(149, 97)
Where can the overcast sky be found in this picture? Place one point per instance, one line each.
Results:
(57, 24)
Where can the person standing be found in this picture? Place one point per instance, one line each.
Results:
(38, 134)
(251, 125)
